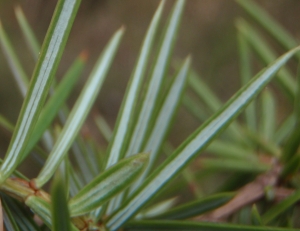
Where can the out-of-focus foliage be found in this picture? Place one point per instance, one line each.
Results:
(251, 164)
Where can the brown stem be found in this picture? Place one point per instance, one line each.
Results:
(22, 189)
(248, 194)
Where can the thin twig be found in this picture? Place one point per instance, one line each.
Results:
(248, 194)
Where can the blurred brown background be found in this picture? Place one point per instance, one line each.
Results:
(207, 32)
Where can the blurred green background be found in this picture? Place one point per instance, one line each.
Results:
(207, 33)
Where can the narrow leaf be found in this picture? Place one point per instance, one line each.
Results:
(30, 38)
(13, 62)
(243, 216)
(255, 217)
(6, 124)
(8, 219)
(78, 150)
(19, 213)
(279, 208)
(103, 127)
(267, 145)
(40, 207)
(56, 101)
(195, 144)
(60, 211)
(245, 72)
(159, 70)
(91, 156)
(188, 174)
(268, 112)
(284, 129)
(108, 184)
(75, 182)
(211, 100)
(196, 208)
(297, 97)
(165, 115)
(157, 209)
(17, 173)
(269, 24)
(291, 146)
(204, 92)
(222, 164)
(64, 170)
(124, 121)
(195, 108)
(40, 83)
(231, 150)
(284, 77)
(79, 111)
(138, 128)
